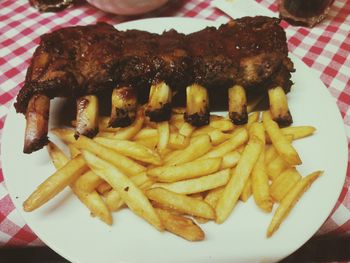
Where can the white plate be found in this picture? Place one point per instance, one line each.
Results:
(66, 226)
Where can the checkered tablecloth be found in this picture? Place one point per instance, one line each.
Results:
(325, 48)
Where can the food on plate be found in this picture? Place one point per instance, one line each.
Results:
(173, 173)
(283, 183)
(87, 116)
(201, 179)
(239, 61)
(289, 201)
(234, 187)
(197, 185)
(56, 183)
(280, 142)
(180, 225)
(91, 199)
(129, 192)
(181, 203)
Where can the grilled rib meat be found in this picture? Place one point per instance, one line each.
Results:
(250, 52)
(75, 61)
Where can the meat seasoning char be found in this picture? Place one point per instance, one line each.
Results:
(250, 52)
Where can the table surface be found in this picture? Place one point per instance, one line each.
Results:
(325, 48)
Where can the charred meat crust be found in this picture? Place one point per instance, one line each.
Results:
(197, 119)
(76, 61)
(122, 118)
(37, 144)
(161, 114)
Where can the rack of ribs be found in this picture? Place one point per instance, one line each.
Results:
(242, 58)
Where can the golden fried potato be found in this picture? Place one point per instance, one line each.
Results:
(289, 201)
(181, 226)
(284, 183)
(237, 182)
(169, 174)
(128, 191)
(197, 185)
(55, 183)
(181, 203)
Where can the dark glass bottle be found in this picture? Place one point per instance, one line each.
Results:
(304, 12)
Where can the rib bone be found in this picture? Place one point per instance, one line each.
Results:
(279, 106)
(159, 104)
(197, 105)
(237, 105)
(87, 116)
(123, 109)
(37, 117)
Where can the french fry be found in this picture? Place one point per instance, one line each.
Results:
(203, 130)
(141, 179)
(177, 120)
(59, 159)
(66, 135)
(259, 178)
(257, 129)
(240, 149)
(239, 137)
(289, 201)
(217, 136)
(270, 154)
(214, 195)
(197, 185)
(103, 188)
(163, 134)
(178, 141)
(150, 143)
(181, 226)
(198, 146)
(237, 182)
(298, 132)
(252, 118)
(247, 191)
(145, 134)
(181, 203)
(281, 143)
(88, 181)
(260, 185)
(122, 162)
(199, 195)
(73, 150)
(113, 199)
(186, 129)
(284, 183)
(127, 132)
(131, 149)
(92, 201)
(230, 160)
(222, 124)
(276, 167)
(55, 183)
(131, 194)
(197, 168)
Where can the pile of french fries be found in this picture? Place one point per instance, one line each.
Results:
(176, 176)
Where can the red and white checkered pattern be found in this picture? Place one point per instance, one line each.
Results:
(325, 48)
